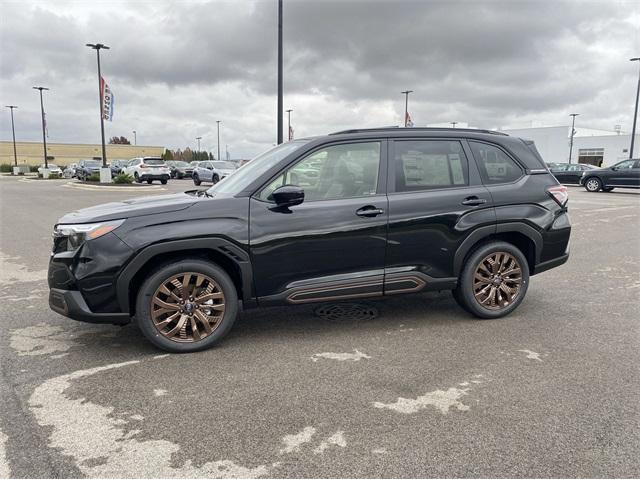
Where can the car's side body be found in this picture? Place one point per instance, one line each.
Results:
(625, 174)
(570, 173)
(395, 237)
(204, 171)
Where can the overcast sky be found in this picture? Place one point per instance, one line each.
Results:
(177, 67)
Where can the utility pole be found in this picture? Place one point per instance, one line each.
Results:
(635, 113)
(13, 132)
(406, 105)
(105, 173)
(44, 133)
(135, 138)
(573, 123)
(218, 122)
(289, 124)
(280, 72)
(454, 123)
(198, 138)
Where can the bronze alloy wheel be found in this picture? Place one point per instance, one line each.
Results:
(497, 281)
(187, 307)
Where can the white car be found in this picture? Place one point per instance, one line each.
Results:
(148, 169)
(70, 171)
(53, 169)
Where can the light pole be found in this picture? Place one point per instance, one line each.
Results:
(218, 122)
(454, 123)
(406, 105)
(135, 138)
(573, 123)
(635, 113)
(105, 173)
(13, 132)
(44, 134)
(289, 124)
(279, 72)
(198, 138)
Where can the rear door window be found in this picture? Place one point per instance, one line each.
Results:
(429, 164)
(494, 164)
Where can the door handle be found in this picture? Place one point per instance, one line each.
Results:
(369, 211)
(473, 201)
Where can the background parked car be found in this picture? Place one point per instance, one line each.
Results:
(212, 171)
(148, 169)
(567, 173)
(54, 169)
(180, 169)
(117, 166)
(625, 174)
(70, 171)
(86, 168)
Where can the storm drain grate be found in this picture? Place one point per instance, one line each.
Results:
(347, 312)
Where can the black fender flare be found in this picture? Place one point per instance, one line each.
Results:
(479, 234)
(220, 245)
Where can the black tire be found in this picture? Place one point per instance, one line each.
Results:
(153, 282)
(592, 184)
(464, 293)
(164, 182)
(607, 189)
(149, 182)
(215, 179)
(136, 177)
(196, 180)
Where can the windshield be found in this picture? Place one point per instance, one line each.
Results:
(224, 164)
(92, 163)
(246, 174)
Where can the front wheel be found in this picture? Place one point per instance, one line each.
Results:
(494, 280)
(164, 182)
(215, 179)
(592, 185)
(186, 306)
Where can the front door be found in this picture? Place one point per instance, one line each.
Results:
(626, 173)
(436, 198)
(333, 244)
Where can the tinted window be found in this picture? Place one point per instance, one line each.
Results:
(559, 167)
(625, 164)
(427, 164)
(339, 171)
(494, 164)
(154, 161)
(224, 164)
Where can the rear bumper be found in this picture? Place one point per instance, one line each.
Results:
(72, 305)
(147, 176)
(552, 263)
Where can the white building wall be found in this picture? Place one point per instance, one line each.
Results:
(553, 143)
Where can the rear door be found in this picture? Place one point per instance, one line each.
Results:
(436, 199)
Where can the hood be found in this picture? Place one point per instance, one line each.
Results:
(147, 205)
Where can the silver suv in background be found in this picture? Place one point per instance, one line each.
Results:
(212, 171)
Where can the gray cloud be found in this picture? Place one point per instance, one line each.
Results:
(176, 67)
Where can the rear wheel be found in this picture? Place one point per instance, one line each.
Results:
(164, 182)
(494, 280)
(593, 184)
(215, 179)
(196, 180)
(136, 177)
(186, 306)
(149, 182)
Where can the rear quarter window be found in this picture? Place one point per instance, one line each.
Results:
(494, 164)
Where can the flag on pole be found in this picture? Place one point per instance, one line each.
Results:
(290, 133)
(46, 127)
(408, 120)
(107, 100)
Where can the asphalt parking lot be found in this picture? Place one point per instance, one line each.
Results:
(423, 390)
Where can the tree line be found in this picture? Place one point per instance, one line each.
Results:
(187, 155)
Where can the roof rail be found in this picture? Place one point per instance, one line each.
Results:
(420, 128)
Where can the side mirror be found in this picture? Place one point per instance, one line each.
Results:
(288, 195)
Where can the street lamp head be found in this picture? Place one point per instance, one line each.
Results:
(574, 114)
(97, 46)
(40, 88)
(11, 106)
(636, 59)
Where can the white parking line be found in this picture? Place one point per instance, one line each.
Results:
(4, 465)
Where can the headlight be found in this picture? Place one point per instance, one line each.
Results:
(77, 234)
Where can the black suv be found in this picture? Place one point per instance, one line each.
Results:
(625, 174)
(355, 214)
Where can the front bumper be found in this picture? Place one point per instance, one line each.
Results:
(72, 305)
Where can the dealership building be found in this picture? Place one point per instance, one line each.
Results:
(62, 154)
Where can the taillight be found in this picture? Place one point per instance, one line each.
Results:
(143, 165)
(559, 193)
